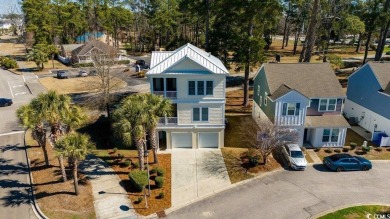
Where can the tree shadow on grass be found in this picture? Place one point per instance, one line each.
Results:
(40, 195)
(16, 198)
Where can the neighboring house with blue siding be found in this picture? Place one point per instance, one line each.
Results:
(368, 97)
(306, 97)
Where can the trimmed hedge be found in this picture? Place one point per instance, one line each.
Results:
(366, 149)
(159, 180)
(160, 171)
(352, 145)
(337, 150)
(345, 149)
(82, 65)
(138, 179)
(8, 63)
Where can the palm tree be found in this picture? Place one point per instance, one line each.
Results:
(31, 118)
(157, 107)
(37, 56)
(58, 112)
(129, 123)
(75, 146)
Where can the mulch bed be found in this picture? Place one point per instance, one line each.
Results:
(56, 198)
(155, 203)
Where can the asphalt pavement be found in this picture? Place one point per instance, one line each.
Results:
(15, 196)
(295, 194)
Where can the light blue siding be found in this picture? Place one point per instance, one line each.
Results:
(363, 89)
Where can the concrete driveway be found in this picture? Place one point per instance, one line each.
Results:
(197, 173)
(295, 194)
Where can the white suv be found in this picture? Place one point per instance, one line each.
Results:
(294, 156)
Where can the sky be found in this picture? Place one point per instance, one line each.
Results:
(5, 6)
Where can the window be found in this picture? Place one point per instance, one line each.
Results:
(191, 88)
(258, 90)
(290, 109)
(209, 88)
(265, 98)
(158, 84)
(330, 135)
(200, 87)
(200, 114)
(327, 105)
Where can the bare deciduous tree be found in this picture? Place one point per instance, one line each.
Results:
(265, 137)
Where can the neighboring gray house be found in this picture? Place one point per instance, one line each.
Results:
(368, 98)
(65, 55)
(306, 97)
(83, 54)
(195, 81)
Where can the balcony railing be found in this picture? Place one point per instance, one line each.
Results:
(168, 94)
(168, 120)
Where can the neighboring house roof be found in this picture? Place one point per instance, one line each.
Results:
(382, 73)
(168, 59)
(85, 37)
(313, 80)
(70, 47)
(326, 121)
(84, 49)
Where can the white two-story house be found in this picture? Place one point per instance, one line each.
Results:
(306, 97)
(195, 81)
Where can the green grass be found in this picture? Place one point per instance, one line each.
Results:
(387, 49)
(357, 212)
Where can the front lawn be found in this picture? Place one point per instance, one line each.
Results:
(234, 130)
(118, 160)
(56, 198)
(352, 136)
(234, 100)
(358, 212)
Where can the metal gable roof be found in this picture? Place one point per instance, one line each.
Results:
(161, 61)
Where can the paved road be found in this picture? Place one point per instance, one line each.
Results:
(14, 181)
(292, 194)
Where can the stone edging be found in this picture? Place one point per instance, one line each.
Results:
(334, 209)
(34, 204)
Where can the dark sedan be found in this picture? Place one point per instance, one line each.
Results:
(5, 102)
(341, 162)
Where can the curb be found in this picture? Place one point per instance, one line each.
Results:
(37, 211)
(344, 206)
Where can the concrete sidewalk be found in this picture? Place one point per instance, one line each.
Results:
(111, 199)
(314, 156)
(197, 173)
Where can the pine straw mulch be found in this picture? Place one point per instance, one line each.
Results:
(56, 198)
(155, 204)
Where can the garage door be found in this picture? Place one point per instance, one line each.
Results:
(208, 140)
(181, 140)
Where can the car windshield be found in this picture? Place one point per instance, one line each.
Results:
(297, 154)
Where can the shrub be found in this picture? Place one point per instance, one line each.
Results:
(138, 179)
(345, 149)
(159, 181)
(317, 149)
(136, 165)
(303, 148)
(379, 149)
(127, 163)
(161, 195)
(8, 63)
(82, 65)
(366, 149)
(160, 171)
(121, 156)
(123, 62)
(337, 150)
(253, 160)
(115, 150)
(139, 199)
(328, 150)
(388, 149)
(352, 145)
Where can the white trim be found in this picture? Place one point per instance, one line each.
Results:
(384, 93)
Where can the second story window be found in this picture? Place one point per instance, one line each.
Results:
(291, 109)
(265, 98)
(200, 114)
(200, 87)
(327, 105)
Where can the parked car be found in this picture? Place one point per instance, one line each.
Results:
(142, 64)
(5, 102)
(62, 75)
(294, 156)
(83, 73)
(341, 162)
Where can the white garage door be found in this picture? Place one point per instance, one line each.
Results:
(208, 140)
(181, 140)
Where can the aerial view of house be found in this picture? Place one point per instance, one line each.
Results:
(368, 100)
(195, 82)
(306, 97)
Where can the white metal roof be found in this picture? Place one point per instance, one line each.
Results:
(161, 61)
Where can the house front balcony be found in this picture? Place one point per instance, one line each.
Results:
(166, 94)
(168, 121)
